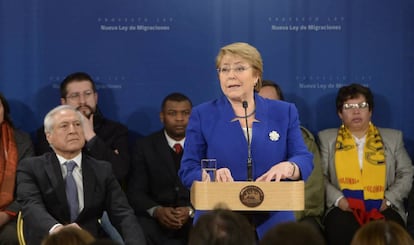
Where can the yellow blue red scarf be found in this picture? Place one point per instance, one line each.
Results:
(364, 188)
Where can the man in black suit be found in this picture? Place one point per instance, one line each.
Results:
(105, 139)
(42, 192)
(161, 202)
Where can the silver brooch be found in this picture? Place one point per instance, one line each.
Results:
(274, 136)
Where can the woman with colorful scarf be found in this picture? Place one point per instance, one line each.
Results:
(14, 146)
(368, 172)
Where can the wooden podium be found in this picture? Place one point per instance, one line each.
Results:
(249, 196)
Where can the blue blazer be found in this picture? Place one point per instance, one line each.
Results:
(212, 133)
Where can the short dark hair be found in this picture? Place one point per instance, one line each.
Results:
(268, 83)
(178, 97)
(353, 91)
(222, 227)
(77, 76)
(6, 109)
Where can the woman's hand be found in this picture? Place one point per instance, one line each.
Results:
(344, 205)
(282, 170)
(224, 175)
(4, 218)
(383, 205)
(205, 176)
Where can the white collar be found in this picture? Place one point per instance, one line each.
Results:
(172, 142)
(77, 159)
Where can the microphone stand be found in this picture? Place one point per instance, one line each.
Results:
(249, 150)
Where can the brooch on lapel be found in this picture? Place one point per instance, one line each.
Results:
(274, 136)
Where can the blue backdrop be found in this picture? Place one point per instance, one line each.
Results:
(140, 50)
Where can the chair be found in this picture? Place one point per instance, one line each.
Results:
(20, 234)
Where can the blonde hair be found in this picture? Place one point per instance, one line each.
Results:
(247, 52)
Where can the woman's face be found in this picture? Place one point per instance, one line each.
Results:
(356, 118)
(1, 112)
(237, 78)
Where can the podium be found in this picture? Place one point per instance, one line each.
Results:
(249, 196)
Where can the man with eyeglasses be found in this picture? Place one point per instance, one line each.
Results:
(105, 139)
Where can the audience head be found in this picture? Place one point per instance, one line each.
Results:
(222, 227)
(175, 112)
(248, 54)
(293, 233)
(4, 110)
(64, 131)
(69, 236)
(382, 232)
(271, 90)
(79, 90)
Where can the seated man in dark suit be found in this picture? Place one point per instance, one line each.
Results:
(68, 188)
(161, 202)
(105, 139)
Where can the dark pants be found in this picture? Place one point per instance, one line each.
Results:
(340, 226)
(156, 234)
(8, 233)
(315, 223)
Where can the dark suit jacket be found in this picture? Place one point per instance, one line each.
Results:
(41, 193)
(110, 135)
(154, 179)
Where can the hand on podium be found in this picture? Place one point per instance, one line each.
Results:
(282, 170)
(222, 175)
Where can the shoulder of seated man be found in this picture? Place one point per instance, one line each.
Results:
(307, 134)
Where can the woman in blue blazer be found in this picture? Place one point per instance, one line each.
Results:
(218, 129)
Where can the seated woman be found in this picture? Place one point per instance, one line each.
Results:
(367, 169)
(14, 146)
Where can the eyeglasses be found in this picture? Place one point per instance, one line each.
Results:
(76, 96)
(361, 105)
(226, 70)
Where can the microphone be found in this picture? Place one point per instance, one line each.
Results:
(249, 150)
